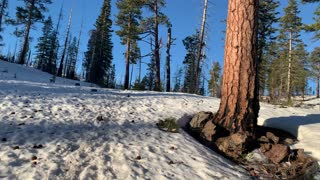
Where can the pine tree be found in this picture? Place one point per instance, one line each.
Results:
(99, 55)
(71, 59)
(30, 13)
(128, 19)
(151, 25)
(290, 28)
(44, 46)
(191, 44)
(214, 82)
(267, 17)
(315, 68)
(178, 80)
(3, 13)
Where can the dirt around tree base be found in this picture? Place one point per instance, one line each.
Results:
(265, 156)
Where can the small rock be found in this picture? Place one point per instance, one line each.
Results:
(277, 153)
(172, 148)
(21, 124)
(265, 147)
(233, 145)
(263, 139)
(94, 90)
(33, 158)
(171, 162)
(272, 137)
(77, 84)
(208, 130)
(288, 141)
(37, 146)
(15, 147)
(4, 139)
(138, 158)
(34, 163)
(99, 118)
(199, 121)
(13, 113)
(132, 121)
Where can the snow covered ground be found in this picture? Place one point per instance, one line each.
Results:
(125, 143)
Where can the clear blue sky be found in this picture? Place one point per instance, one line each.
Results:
(185, 16)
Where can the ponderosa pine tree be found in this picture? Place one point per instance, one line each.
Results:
(30, 13)
(315, 68)
(151, 26)
(100, 50)
(239, 106)
(214, 82)
(128, 19)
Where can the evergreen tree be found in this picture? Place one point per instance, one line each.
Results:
(128, 19)
(290, 28)
(267, 17)
(30, 13)
(315, 68)
(43, 45)
(191, 43)
(111, 78)
(151, 25)
(71, 59)
(178, 80)
(3, 13)
(99, 54)
(214, 82)
(89, 54)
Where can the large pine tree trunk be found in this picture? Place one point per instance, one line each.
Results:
(157, 47)
(26, 35)
(168, 85)
(239, 105)
(126, 78)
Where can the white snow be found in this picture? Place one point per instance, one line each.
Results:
(126, 144)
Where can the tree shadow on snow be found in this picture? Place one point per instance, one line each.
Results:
(292, 123)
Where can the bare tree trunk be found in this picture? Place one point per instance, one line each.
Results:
(157, 47)
(126, 78)
(168, 85)
(60, 70)
(201, 44)
(239, 105)
(26, 35)
(289, 68)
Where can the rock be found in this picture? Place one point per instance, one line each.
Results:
(138, 158)
(263, 139)
(277, 153)
(94, 90)
(4, 139)
(33, 158)
(272, 137)
(289, 141)
(199, 121)
(99, 118)
(234, 145)
(256, 156)
(265, 147)
(15, 147)
(208, 131)
(77, 84)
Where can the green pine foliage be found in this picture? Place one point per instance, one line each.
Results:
(30, 13)
(99, 54)
(128, 19)
(3, 13)
(315, 68)
(46, 48)
(214, 82)
(190, 43)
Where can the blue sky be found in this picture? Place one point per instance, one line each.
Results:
(185, 16)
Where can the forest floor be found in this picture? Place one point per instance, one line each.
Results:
(62, 131)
